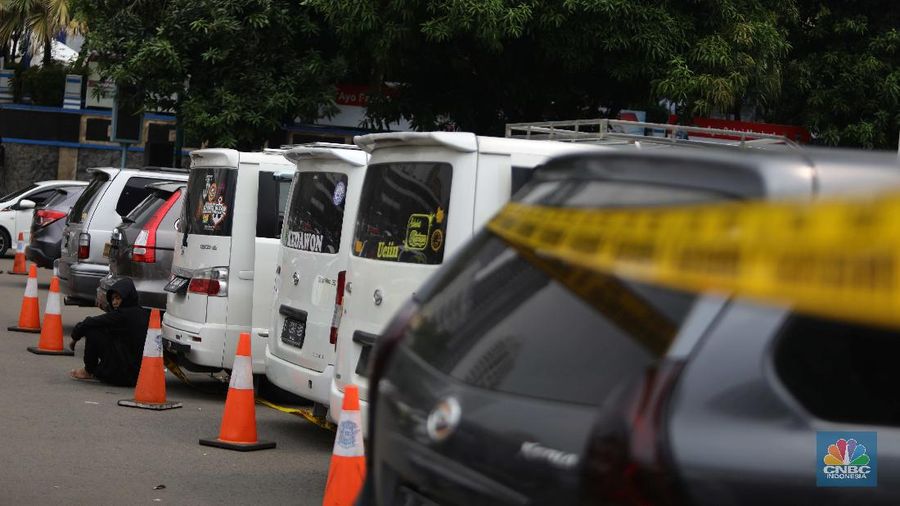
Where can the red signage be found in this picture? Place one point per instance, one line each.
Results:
(793, 132)
(353, 95)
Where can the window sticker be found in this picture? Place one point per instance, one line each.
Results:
(418, 228)
(437, 240)
(388, 250)
(305, 241)
(213, 207)
(340, 191)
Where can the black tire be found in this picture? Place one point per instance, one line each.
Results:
(5, 242)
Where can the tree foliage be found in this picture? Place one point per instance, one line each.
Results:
(842, 78)
(482, 63)
(41, 19)
(234, 70)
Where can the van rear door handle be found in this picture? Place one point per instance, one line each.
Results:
(245, 274)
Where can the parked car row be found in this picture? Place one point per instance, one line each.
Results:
(489, 374)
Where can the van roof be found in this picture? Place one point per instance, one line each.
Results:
(468, 142)
(229, 158)
(756, 174)
(351, 154)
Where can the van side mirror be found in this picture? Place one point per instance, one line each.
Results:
(25, 204)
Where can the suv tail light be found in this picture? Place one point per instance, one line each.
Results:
(633, 466)
(44, 217)
(84, 245)
(212, 282)
(338, 308)
(144, 249)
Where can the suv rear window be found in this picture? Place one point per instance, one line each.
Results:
(64, 199)
(514, 323)
(316, 213)
(147, 208)
(78, 213)
(209, 206)
(403, 212)
(133, 193)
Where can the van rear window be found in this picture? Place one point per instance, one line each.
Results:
(316, 213)
(209, 206)
(403, 212)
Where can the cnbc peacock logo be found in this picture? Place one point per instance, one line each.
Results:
(846, 459)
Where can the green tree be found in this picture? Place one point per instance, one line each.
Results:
(233, 70)
(842, 79)
(42, 19)
(482, 63)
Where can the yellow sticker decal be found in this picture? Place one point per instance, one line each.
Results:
(388, 250)
(437, 240)
(439, 215)
(418, 229)
(358, 246)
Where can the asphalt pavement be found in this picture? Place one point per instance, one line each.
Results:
(64, 441)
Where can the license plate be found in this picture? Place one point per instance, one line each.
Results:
(106, 249)
(176, 285)
(362, 367)
(293, 332)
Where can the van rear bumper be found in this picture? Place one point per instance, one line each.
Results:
(298, 380)
(199, 346)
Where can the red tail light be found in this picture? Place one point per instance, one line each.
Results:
(633, 466)
(84, 245)
(44, 217)
(338, 307)
(213, 282)
(145, 245)
(204, 286)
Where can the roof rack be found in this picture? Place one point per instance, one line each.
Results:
(160, 169)
(617, 131)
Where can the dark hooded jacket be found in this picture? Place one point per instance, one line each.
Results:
(127, 328)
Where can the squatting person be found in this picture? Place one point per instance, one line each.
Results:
(114, 341)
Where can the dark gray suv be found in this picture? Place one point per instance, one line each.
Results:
(141, 247)
(514, 379)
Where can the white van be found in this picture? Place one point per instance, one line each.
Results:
(425, 194)
(223, 269)
(315, 247)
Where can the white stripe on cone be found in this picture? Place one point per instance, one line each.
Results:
(153, 343)
(31, 287)
(348, 441)
(20, 247)
(53, 303)
(241, 373)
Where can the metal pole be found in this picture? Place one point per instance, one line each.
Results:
(124, 155)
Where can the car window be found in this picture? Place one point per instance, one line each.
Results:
(16, 193)
(39, 197)
(145, 210)
(79, 211)
(271, 200)
(403, 212)
(134, 192)
(64, 198)
(514, 323)
(209, 206)
(316, 214)
(825, 363)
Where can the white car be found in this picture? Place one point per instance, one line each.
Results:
(315, 247)
(425, 194)
(16, 209)
(223, 268)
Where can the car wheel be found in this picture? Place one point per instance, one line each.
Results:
(5, 241)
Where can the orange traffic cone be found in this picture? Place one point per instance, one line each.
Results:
(347, 471)
(238, 430)
(51, 341)
(150, 392)
(30, 314)
(19, 261)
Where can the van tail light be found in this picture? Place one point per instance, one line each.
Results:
(404, 319)
(84, 245)
(144, 249)
(338, 307)
(44, 217)
(212, 282)
(629, 463)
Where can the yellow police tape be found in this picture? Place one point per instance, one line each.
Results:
(837, 259)
(305, 413)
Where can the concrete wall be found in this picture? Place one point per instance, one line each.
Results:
(25, 164)
(88, 158)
